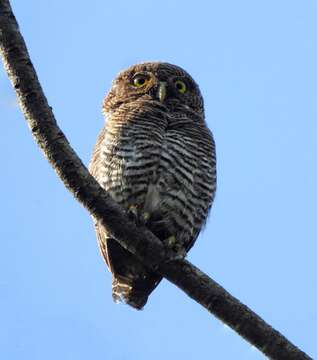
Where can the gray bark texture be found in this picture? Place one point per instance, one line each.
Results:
(87, 191)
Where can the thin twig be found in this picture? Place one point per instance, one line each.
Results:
(87, 191)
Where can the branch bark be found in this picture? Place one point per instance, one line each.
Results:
(88, 192)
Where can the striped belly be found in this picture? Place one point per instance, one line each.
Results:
(166, 174)
(131, 157)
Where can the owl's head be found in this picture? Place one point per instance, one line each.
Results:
(163, 83)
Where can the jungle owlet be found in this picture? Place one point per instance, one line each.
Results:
(156, 157)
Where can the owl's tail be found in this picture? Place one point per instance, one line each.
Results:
(132, 282)
(132, 292)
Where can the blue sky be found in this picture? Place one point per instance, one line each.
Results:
(255, 62)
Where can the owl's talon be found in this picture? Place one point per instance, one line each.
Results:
(146, 216)
(172, 255)
(174, 251)
(133, 213)
(170, 241)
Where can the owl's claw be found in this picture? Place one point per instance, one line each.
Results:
(133, 213)
(145, 216)
(174, 251)
(170, 241)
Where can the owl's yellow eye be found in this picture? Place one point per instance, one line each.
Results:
(180, 86)
(140, 81)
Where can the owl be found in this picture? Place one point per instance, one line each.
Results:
(155, 157)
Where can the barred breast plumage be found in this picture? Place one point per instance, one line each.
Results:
(156, 157)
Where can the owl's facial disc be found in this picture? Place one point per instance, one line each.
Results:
(160, 82)
(160, 86)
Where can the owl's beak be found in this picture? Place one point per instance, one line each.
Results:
(161, 92)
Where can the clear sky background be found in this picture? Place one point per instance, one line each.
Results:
(255, 62)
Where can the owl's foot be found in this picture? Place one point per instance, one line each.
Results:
(175, 251)
(139, 218)
(146, 216)
(133, 213)
(170, 241)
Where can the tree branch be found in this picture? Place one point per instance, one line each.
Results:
(139, 241)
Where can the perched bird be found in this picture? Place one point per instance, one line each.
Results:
(156, 157)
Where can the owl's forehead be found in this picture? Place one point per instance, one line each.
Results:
(161, 70)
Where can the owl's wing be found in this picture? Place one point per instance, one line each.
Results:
(94, 167)
(205, 183)
(102, 238)
(132, 282)
(188, 167)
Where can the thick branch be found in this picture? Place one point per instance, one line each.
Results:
(87, 191)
